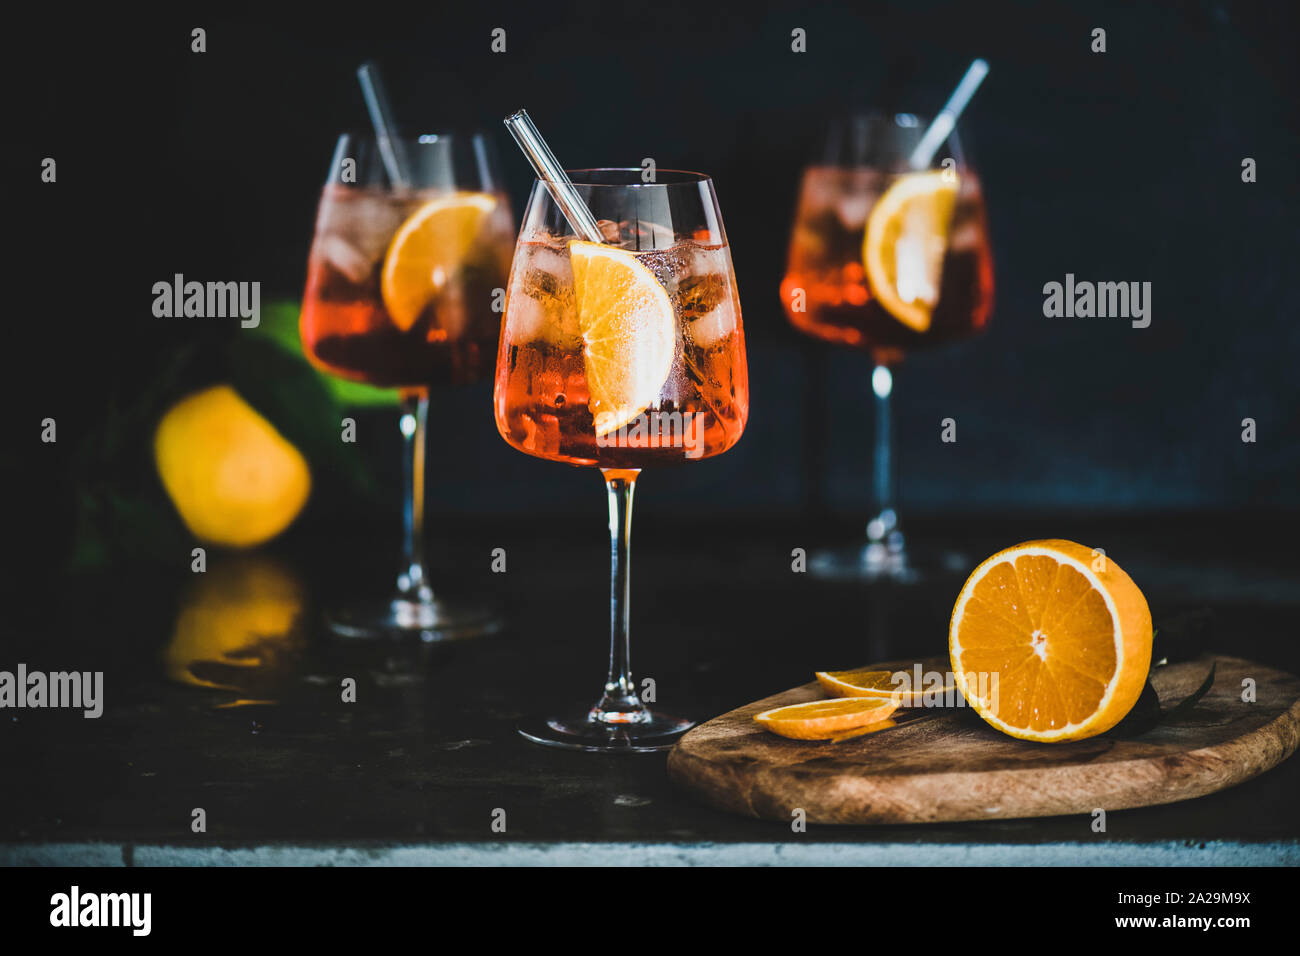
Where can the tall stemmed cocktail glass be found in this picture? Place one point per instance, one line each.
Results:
(887, 257)
(404, 267)
(621, 354)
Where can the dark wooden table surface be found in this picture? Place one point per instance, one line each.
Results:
(419, 766)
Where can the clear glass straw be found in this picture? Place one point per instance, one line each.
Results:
(381, 116)
(947, 119)
(550, 171)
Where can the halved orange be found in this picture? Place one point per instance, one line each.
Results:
(427, 249)
(905, 242)
(820, 719)
(1050, 641)
(629, 332)
(874, 683)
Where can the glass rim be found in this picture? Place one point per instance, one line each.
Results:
(426, 138)
(920, 120)
(890, 130)
(582, 177)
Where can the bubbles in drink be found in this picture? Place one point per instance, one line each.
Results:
(345, 324)
(345, 258)
(826, 291)
(542, 389)
(360, 221)
(540, 304)
(636, 235)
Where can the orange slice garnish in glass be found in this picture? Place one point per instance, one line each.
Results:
(629, 332)
(905, 242)
(426, 251)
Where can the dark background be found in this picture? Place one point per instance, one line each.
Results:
(1117, 166)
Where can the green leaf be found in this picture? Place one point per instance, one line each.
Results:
(1143, 717)
(279, 325)
(1184, 706)
(295, 399)
(1146, 713)
(358, 394)
(113, 524)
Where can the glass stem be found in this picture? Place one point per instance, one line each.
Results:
(411, 581)
(883, 526)
(620, 703)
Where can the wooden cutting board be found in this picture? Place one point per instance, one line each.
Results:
(950, 765)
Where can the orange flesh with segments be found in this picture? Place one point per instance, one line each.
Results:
(1065, 633)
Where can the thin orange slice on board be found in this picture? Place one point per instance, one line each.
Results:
(821, 719)
(876, 683)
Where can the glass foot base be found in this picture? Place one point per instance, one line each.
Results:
(431, 620)
(660, 732)
(876, 562)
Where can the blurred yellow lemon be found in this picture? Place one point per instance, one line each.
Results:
(233, 478)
